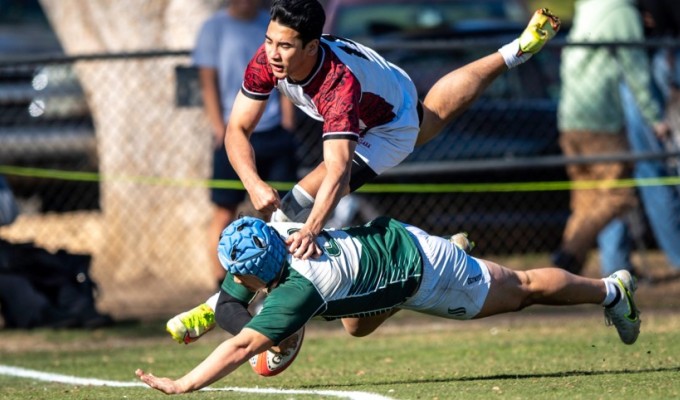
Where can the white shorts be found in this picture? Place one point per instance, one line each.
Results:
(386, 146)
(454, 285)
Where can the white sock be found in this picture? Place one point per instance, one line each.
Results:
(510, 54)
(212, 301)
(613, 293)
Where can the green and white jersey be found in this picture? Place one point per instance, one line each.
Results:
(363, 271)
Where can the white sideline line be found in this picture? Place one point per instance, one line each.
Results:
(75, 380)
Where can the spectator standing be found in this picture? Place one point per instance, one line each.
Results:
(661, 204)
(662, 21)
(226, 43)
(591, 118)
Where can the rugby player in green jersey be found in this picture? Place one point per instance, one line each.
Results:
(365, 274)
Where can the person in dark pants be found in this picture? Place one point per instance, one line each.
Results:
(225, 44)
(591, 119)
(661, 203)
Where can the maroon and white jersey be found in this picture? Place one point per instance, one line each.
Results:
(356, 93)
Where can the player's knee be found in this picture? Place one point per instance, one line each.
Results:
(359, 332)
(529, 294)
(364, 326)
(515, 289)
(359, 327)
(354, 327)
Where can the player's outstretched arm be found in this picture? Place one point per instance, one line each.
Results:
(221, 362)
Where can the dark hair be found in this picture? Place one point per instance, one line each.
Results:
(307, 17)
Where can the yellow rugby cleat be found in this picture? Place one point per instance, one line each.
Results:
(189, 326)
(542, 27)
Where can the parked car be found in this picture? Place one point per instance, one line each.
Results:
(514, 119)
(44, 118)
(366, 20)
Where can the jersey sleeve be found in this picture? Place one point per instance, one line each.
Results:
(287, 308)
(258, 81)
(339, 105)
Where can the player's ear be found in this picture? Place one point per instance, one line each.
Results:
(312, 47)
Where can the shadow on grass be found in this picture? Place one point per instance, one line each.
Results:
(501, 377)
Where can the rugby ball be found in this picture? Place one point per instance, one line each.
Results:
(269, 363)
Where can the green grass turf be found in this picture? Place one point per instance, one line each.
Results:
(530, 355)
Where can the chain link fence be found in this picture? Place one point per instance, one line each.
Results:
(109, 155)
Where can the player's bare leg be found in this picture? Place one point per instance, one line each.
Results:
(297, 204)
(364, 326)
(311, 182)
(457, 90)
(514, 290)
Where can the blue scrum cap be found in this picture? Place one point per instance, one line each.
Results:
(248, 246)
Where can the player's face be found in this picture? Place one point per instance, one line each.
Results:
(250, 282)
(286, 55)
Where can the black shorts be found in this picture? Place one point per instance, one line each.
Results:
(361, 174)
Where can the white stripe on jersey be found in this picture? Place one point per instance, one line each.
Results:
(333, 276)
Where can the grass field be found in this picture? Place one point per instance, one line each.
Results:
(536, 354)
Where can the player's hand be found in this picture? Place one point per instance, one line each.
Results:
(302, 244)
(165, 385)
(265, 198)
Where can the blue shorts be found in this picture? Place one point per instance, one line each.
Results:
(275, 160)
